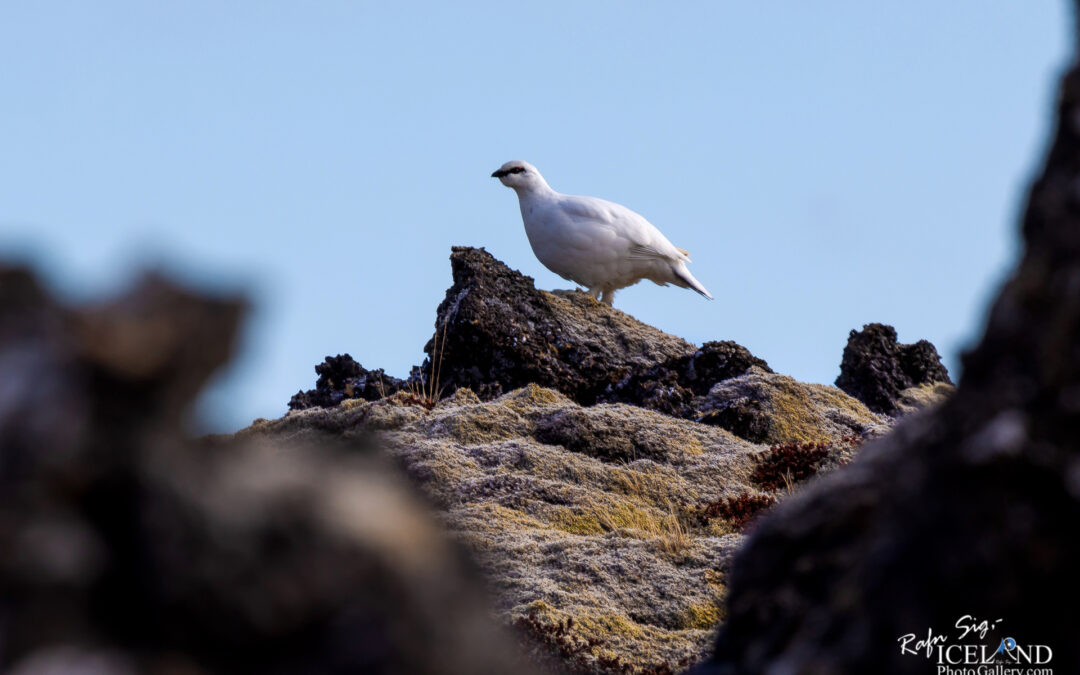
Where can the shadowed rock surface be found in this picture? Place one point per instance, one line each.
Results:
(876, 368)
(126, 548)
(496, 332)
(676, 386)
(971, 509)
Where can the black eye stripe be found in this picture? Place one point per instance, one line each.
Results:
(517, 169)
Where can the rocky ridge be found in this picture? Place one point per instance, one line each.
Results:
(496, 332)
(601, 472)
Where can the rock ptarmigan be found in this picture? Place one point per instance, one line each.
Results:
(598, 244)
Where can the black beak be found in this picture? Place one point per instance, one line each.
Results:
(500, 173)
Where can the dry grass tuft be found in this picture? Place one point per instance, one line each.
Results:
(674, 538)
(426, 392)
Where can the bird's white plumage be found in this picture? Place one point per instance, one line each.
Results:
(596, 243)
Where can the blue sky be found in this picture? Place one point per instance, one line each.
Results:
(828, 164)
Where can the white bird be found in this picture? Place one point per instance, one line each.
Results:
(598, 244)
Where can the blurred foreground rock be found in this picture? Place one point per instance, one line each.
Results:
(971, 510)
(126, 548)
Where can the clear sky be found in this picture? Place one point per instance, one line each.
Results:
(828, 164)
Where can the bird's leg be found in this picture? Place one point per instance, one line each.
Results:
(594, 292)
(608, 298)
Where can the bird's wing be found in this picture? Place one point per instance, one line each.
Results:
(643, 239)
(590, 208)
(644, 252)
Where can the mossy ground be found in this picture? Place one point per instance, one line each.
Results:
(597, 545)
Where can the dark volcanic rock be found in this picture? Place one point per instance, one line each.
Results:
(970, 509)
(125, 547)
(496, 332)
(876, 368)
(745, 417)
(340, 378)
(674, 386)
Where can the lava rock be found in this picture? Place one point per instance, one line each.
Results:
(496, 332)
(875, 367)
(743, 416)
(968, 509)
(341, 378)
(675, 386)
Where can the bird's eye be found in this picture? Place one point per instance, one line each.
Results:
(517, 169)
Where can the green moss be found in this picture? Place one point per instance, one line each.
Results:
(924, 396)
(702, 616)
(542, 609)
(534, 394)
(568, 520)
(620, 516)
(497, 518)
(529, 398)
(707, 614)
(796, 411)
(460, 397)
(479, 424)
(791, 419)
(350, 403)
(610, 624)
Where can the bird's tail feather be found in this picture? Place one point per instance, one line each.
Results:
(687, 280)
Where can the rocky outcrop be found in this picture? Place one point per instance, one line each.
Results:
(342, 378)
(602, 472)
(764, 407)
(676, 386)
(603, 524)
(969, 510)
(876, 368)
(496, 332)
(126, 547)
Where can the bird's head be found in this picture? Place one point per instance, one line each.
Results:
(519, 175)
